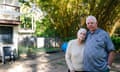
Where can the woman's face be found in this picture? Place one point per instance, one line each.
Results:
(82, 35)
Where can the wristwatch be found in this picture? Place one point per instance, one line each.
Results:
(109, 66)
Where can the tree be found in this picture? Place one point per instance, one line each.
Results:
(64, 15)
(67, 16)
(107, 12)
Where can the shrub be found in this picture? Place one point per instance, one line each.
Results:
(116, 42)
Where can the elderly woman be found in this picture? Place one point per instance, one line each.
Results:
(74, 52)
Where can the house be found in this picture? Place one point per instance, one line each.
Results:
(9, 24)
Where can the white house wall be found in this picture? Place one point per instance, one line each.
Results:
(15, 38)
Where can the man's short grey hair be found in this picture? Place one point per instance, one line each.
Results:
(91, 18)
(81, 30)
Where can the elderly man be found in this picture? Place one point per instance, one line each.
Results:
(99, 49)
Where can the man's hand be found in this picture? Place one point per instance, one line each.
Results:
(111, 58)
(72, 71)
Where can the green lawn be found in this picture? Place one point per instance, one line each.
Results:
(25, 50)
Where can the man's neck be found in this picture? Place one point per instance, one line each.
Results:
(93, 30)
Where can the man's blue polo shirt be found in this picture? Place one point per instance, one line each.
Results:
(97, 47)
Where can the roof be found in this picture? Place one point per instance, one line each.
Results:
(10, 22)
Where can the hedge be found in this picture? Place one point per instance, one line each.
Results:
(116, 42)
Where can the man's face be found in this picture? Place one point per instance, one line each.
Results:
(91, 25)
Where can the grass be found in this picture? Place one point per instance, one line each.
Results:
(60, 63)
(26, 50)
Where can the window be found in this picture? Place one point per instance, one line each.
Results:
(6, 34)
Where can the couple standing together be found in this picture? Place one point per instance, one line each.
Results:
(92, 51)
